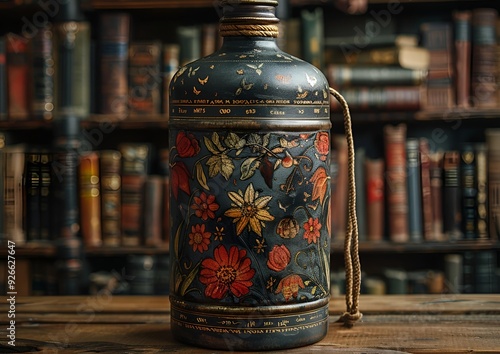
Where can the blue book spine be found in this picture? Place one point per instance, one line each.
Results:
(414, 190)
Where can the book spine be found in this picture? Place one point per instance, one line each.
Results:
(90, 200)
(46, 229)
(144, 78)
(32, 188)
(209, 38)
(18, 77)
(453, 270)
(110, 164)
(493, 160)
(3, 79)
(452, 215)
(72, 81)
(189, 39)
(414, 190)
(485, 268)
(374, 169)
(3, 169)
(462, 25)
(397, 193)
(164, 164)
(348, 75)
(43, 74)
(389, 98)
(170, 67)
(360, 178)
(482, 191)
(113, 52)
(484, 58)
(425, 177)
(313, 36)
(436, 175)
(13, 198)
(153, 196)
(469, 191)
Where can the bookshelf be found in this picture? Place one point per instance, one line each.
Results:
(147, 18)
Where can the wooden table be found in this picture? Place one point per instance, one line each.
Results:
(140, 324)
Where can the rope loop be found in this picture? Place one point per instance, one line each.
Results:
(351, 241)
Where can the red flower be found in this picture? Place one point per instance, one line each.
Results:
(279, 257)
(199, 238)
(180, 179)
(204, 206)
(312, 227)
(187, 145)
(320, 179)
(227, 271)
(289, 286)
(322, 144)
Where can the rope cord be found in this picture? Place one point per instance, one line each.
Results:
(232, 30)
(351, 244)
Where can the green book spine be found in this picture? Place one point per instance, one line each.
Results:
(313, 37)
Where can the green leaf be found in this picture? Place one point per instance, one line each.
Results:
(248, 167)
(201, 177)
(188, 280)
(210, 146)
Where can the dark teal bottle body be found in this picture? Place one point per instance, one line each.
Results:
(250, 237)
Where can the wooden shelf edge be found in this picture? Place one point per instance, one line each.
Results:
(147, 4)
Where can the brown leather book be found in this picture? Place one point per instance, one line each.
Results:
(113, 52)
(90, 200)
(110, 165)
(18, 77)
(374, 170)
(153, 198)
(482, 191)
(396, 190)
(339, 195)
(484, 58)
(13, 201)
(425, 179)
(493, 146)
(452, 213)
(436, 175)
(462, 24)
(144, 78)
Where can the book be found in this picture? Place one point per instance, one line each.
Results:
(482, 191)
(43, 73)
(385, 98)
(170, 63)
(436, 176)
(462, 43)
(110, 169)
(13, 202)
(141, 269)
(313, 36)
(135, 167)
(114, 39)
(18, 77)
(3, 79)
(375, 216)
(72, 63)
(414, 190)
(453, 270)
(209, 38)
(46, 189)
(396, 187)
(340, 193)
(339, 75)
(412, 58)
(493, 168)
(485, 266)
(164, 164)
(144, 78)
(380, 41)
(437, 38)
(484, 58)
(153, 199)
(426, 195)
(90, 200)
(3, 236)
(32, 190)
(189, 39)
(360, 179)
(452, 214)
(469, 190)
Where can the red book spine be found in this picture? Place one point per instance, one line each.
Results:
(425, 178)
(462, 57)
(90, 200)
(374, 170)
(18, 77)
(397, 194)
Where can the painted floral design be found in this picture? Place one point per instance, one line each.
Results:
(320, 180)
(322, 145)
(288, 227)
(312, 229)
(205, 206)
(229, 271)
(180, 179)
(248, 209)
(289, 286)
(186, 144)
(199, 239)
(279, 257)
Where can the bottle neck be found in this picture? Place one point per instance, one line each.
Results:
(249, 20)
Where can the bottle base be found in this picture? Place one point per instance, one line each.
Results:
(249, 328)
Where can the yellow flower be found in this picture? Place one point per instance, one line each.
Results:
(249, 210)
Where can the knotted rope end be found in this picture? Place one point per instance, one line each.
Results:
(349, 319)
